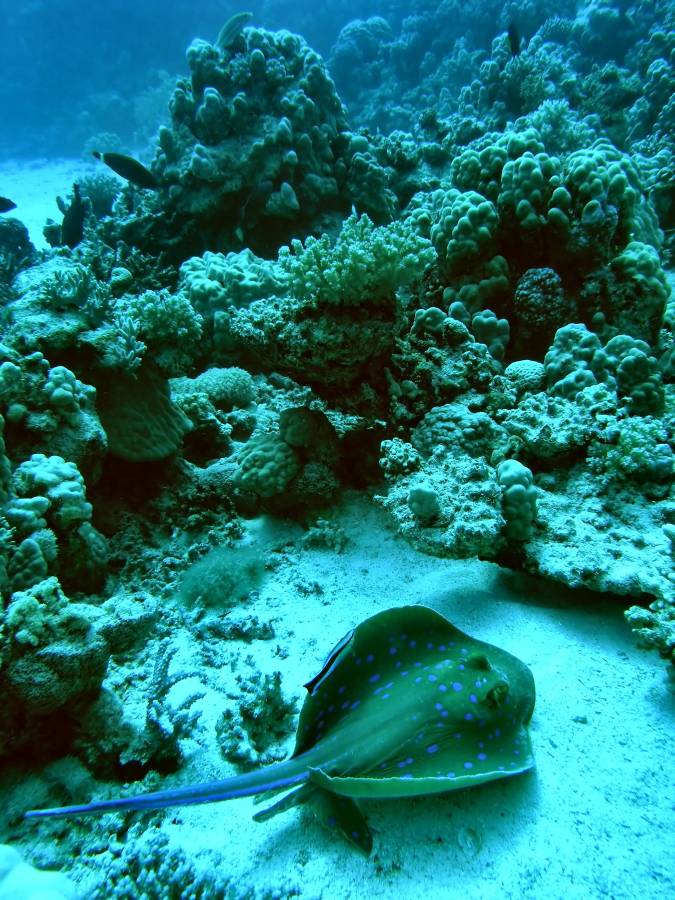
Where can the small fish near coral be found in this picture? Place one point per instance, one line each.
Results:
(128, 168)
(6, 205)
(74, 215)
(232, 29)
(405, 705)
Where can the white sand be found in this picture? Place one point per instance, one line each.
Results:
(596, 819)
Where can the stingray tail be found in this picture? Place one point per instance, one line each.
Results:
(277, 777)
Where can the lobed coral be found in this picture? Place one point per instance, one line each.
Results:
(256, 140)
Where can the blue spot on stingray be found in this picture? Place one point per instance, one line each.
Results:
(468, 765)
(432, 678)
(432, 748)
(482, 756)
(456, 686)
(461, 666)
(342, 689)
(370, 657)
(418, 679)
(442, 688)
(403, 674)
(468, 716)
(442, 648)
(438, 706)
(374, 678)
(430, 646)
(393, 650)
(412, 644)
(345, 704)
(473, 698)
(355, 704)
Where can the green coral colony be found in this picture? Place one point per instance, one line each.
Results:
(465, 311)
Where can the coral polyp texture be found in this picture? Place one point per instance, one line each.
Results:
(444, 282)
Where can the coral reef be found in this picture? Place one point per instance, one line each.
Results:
(444, 283)
(255, 733)
(258, 151)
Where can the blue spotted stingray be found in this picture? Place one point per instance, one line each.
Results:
(406, 704)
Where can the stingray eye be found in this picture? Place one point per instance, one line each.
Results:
(478, 661)
(497, 694)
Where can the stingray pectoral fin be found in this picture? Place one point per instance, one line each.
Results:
(366, 787)
(333, 811)
(449, 769)
(342, 814)
(375, 787)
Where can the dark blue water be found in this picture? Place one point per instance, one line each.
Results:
(72, 69)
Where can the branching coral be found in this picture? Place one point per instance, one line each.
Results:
(364, 266)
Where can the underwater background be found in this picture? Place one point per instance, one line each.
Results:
(313, 317)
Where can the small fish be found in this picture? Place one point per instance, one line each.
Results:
(74, 215)
(232, 29)
(405, 705)
(514, 39)
(129, 168)
(6, 204)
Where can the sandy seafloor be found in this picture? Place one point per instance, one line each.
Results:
(34, 185)
(595, 820)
